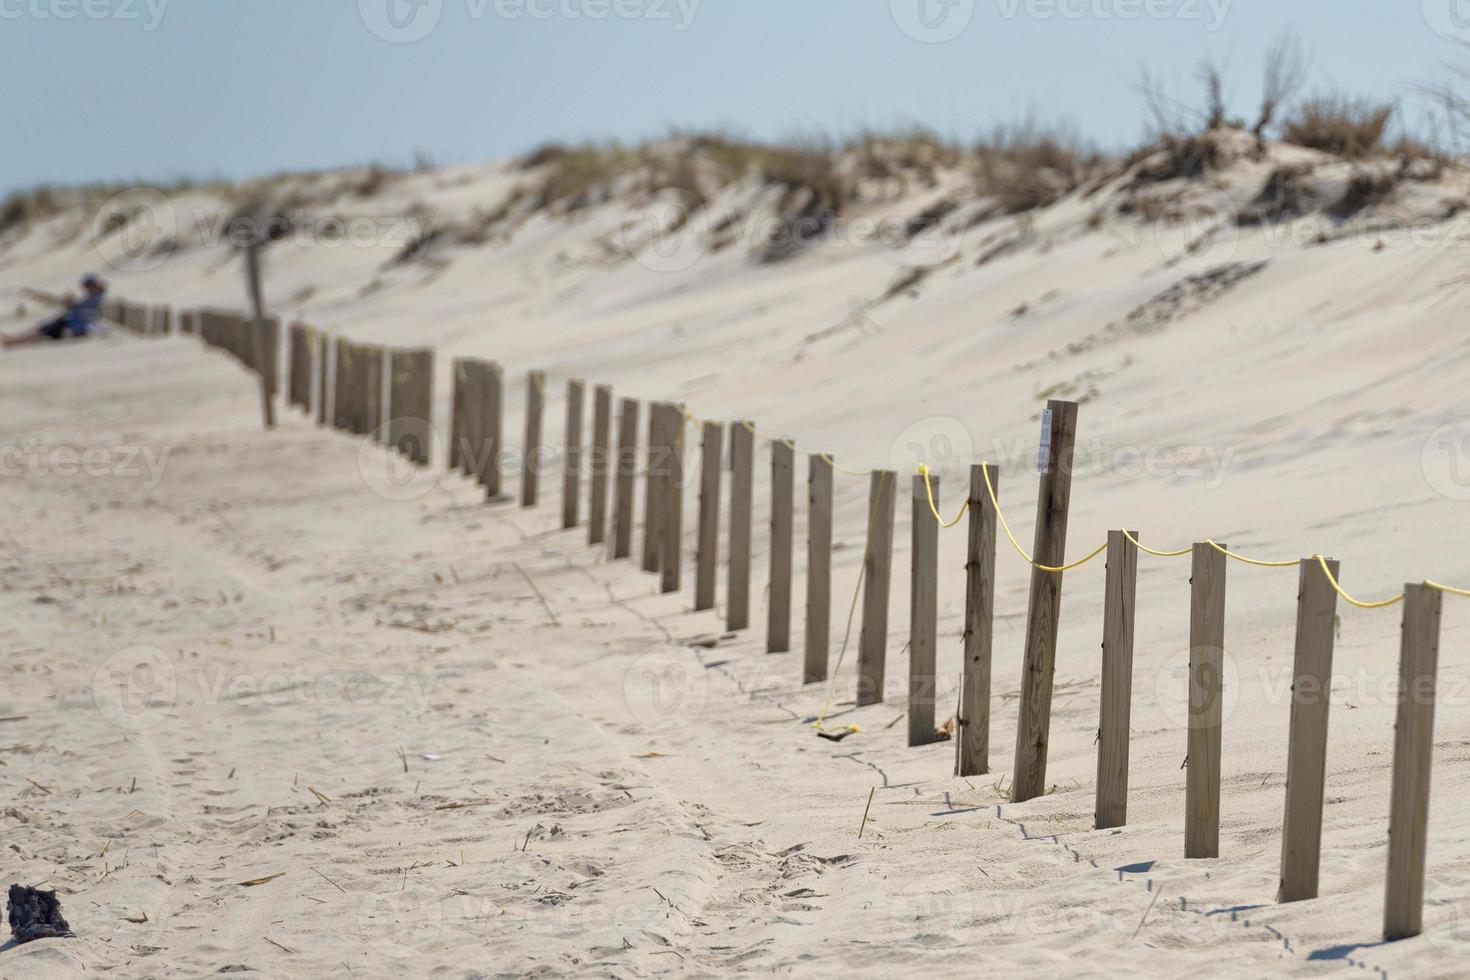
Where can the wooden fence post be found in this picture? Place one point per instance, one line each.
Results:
(362, 390)
(457, 413)
(1114, 716)
(342, 383)
(653, 486)
(672, 535)
(1206, 702)
(531, 458)
(712, 445)
(624, 477)
(742, 480)
(783, 503)
(1043, 612)
(923, 614)
(377, 416)
(265, 350)
(973, 736)
(1413, 752)
(571, 476)
(492, 430)
(602, 400)
(423, 417)
(325, 349)
(1306, 754)
(400, 396)
(818, 568)
(877, 567)
(472, 418)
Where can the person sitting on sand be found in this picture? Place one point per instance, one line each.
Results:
(79, 320)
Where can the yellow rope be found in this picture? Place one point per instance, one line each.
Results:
(1356, 602)
(985, 471)
(1447, 588)
(1253, 561)
(1159, 554)
(929, 489)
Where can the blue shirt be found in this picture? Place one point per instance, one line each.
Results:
(80, 316)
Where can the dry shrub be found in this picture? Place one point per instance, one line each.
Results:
(1365, 189)
(1284, 195)
(1347, 127)
(23, 207)
(1027, 166)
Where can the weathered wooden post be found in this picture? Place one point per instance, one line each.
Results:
(1045, 603)
(472, 417)
(1306, 755)
(325, 349)
(973, 737)
(377, 415)
(602, 401)
(1413, 752)
(742, 480)
(1206, 702)
(422, 422)
(627, 469)
(492, 408)
(783, 503)
(265, 352)
(457, 413)
(671, 537)
(531, 459)
(818, 568)
(712, 444)
(923, 614)
(653, 487)
(1117, 682)
(571, 480)
(877, 567)
(342, 384)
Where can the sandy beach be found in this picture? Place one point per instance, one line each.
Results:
(279, 707)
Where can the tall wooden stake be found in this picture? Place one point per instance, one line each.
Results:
(742, 480)
(877, 567)
(653, 486)
(818, 568)
(712, 445)
(571, 484)
(265, 355)
(625, 479)
(973, 740)
(671, 536)
(602, 464)
(923, 615)
(1117, 682)
(783, 491)
(1044, 608)
(1206, 703)
(531, 461)
(1306, 755)
(1413, 752)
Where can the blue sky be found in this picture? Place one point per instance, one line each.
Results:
(118, 89)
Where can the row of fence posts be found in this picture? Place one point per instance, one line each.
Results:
(368, 389)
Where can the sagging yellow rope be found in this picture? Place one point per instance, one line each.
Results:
(929, 489)
(1158, 554)
(1252, 561)
(1322, 560)
(990, 488)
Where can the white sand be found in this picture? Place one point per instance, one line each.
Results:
(597, 797)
